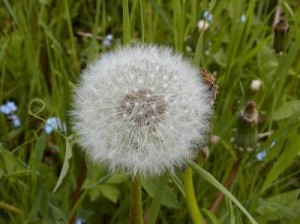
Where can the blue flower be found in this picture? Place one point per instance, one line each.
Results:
(54, 123)
(8, 108)
(207, 16)
(15, 120)
(107, 41)
(243, 18)
(80, 221)
(261, 155)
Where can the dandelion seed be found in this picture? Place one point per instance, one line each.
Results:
(138, 129)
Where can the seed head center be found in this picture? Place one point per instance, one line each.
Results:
(142, 107)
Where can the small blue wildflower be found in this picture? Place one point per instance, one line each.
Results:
(54, 123)
(15, 120)
(107, 41)
(261, 155)
(80, 221)
(207, 16)
(273, 143)
(109, 37)
(8, 108)
(243, 18)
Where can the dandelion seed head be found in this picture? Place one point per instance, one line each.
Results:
(143, 127)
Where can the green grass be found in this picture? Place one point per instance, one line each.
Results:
(42, 52)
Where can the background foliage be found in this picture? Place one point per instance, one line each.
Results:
(44, 44)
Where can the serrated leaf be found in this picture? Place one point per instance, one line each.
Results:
(285, 160)
(168, 199)
(116, 179)
(284, 205)
(65, 168)
(11, 164)
(94, 193)
(286, 110)
(110, 192)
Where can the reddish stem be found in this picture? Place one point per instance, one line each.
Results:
(76, 195)
(227, 183)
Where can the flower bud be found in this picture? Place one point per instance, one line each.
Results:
(246, 136)
(281, 31)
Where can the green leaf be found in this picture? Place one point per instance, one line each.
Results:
(285, 160)
(155, 206)
(212, 217)
(1, 173)
(163, 15)
(168, 199)
(209, 178)
(10, 164)
(279, 207)
(37, 153)
(110, 192)
(286, 110)
(116, 179)
(94, 193)
(65, 167)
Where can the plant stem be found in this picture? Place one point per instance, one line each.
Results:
(126, 22)
(191, 198)
(136, 212)
(76, 195)
(227, 183)
(9, 207)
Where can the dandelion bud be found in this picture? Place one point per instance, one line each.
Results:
(255, 85)
(203, 25)
(281, 31)
(246, 137)
(141, 109)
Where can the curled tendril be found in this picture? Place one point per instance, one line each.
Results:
(35, 114)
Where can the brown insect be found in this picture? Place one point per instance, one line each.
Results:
(210, 81)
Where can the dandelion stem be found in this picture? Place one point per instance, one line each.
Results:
(191, 198)
(136, 212)
(9, 207)
(126, 22)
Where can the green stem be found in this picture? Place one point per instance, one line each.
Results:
(191, 198)
(126, 22)
(136, 212)
(142, 21)
(159, 192)
(9, 207)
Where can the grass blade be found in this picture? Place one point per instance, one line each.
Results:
(209, 178)
(284, 161)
